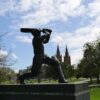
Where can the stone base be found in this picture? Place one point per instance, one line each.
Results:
(77, 91)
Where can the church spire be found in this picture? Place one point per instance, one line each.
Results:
(67, 57)
(58, 51)
(58, 55)
(66, 51)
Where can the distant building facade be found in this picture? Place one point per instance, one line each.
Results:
(66, 58)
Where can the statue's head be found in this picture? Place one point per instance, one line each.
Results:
(36, 32)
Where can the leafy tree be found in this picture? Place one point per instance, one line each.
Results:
(7, 59)
(89, 66)
(97, 60)
(68, 70)
(64, 69)
(6, 73)
(50, 72)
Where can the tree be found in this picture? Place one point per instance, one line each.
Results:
(6, 74)
(97, 60)
(68, 70)
(89, 66)
(6, 60)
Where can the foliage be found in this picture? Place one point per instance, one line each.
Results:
(68, 70)
(6, 74)
(6, 60)
(50, 72)
(89, 65)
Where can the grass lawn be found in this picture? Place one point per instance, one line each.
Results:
(95, 93)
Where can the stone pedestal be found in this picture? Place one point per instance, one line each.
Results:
(75, 91)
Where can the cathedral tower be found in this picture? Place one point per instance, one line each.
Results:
(58, 55)
(67, 57)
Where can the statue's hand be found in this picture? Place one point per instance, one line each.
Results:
(46, 30)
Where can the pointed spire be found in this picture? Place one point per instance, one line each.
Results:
(67, 59)
(58, 55)
(58, 51)
(66, 51)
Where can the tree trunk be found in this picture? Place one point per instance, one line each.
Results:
(98, 79)
(39, 79)
(91, 81)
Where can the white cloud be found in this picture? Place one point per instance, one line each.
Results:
(95, 22)
(41, 12)
(58, 39)
(72, 8)
(24, 5)
(34, 13)
(6, 6)
(94, 8)
(76, 55)
(3, 53)
(24, 39)
(14, 56)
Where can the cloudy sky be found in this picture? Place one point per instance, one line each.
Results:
(74, 22)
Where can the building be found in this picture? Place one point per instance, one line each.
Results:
(66, 58)
(58, 55)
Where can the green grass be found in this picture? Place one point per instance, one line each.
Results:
(95, 93)
(76, 80)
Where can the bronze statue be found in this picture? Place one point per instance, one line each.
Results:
(39, 56)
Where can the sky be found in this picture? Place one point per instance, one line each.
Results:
(73, 23)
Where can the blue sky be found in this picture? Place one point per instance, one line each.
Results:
(74, 22)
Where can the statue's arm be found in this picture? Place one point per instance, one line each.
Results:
(47, 33)
(46, 40)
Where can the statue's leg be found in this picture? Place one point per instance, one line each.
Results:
(55, 63)
(35, 70)
(24, 76)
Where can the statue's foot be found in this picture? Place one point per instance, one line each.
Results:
(20, 80)
(63, 81)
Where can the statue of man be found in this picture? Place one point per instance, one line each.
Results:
(39, 56)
